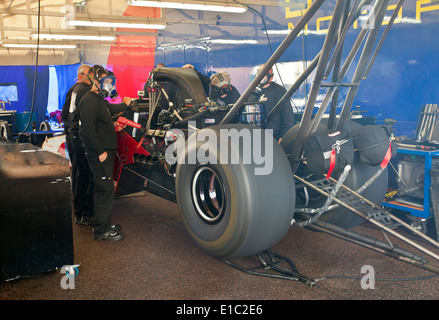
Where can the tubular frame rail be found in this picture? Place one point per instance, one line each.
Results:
(271, 267)
(326, 62)
(354, 202)
(270, 262)
(328, 65)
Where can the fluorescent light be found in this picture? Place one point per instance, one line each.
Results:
(42, 46)
(73, 37)
(86, 23)
(187, 6)
(285, 32)
(281, 32)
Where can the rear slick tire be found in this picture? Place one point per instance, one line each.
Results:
(228, 210)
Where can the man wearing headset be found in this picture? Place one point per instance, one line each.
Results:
(98, 135)
(221, 89)
(269, 93)
(83, 197)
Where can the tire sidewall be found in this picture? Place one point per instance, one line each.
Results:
(248, 208)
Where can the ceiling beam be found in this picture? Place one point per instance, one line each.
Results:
(74, 31)
(268, 3)
(112, 18)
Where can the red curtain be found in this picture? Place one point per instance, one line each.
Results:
(133, 57)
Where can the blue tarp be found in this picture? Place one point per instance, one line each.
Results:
(66, 76)
(24, 77)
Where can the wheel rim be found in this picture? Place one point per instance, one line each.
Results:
(208, 195)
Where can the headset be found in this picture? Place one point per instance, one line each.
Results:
(225, 89)
(269, 76)
(107, 83)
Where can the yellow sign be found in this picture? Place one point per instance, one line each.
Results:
(322, 22)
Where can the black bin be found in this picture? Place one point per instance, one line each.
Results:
(35, 212)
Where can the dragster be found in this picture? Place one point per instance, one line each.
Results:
(231, 208)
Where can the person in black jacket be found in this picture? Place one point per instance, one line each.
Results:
(83, 197)
(221, 89)
(82, 75)
(83, 182)
(270, 93)
(203, 78)
(98, 135)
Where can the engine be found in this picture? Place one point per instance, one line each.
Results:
(172, 105)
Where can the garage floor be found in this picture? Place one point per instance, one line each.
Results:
(157, 260)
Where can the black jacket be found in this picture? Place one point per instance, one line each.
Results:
(73, 120)
(230, 98)
(65, 108)
(283, 119)
(96, 127)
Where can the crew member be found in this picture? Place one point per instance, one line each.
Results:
(97, 132)
(221, 89)
(270, 93)
(83, 197)
(203, 78)
(82, 75)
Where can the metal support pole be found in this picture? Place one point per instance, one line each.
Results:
(379, 10)
(368, 240)
(276, 55)
(383, 37)
(419, 233)
(376, 223)
(355, 13)
(344, 25)
(396, 254)
(353, 16)
(296, 85)
(324, 57)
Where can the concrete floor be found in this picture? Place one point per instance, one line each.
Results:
(158, 261)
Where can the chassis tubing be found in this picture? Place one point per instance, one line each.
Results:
(358, 175)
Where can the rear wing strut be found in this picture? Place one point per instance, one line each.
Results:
(328, 62)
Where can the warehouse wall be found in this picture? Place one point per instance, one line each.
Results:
(404, 77)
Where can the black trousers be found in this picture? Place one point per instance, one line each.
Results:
(103, 191)
(83, 196)
(73, 167)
